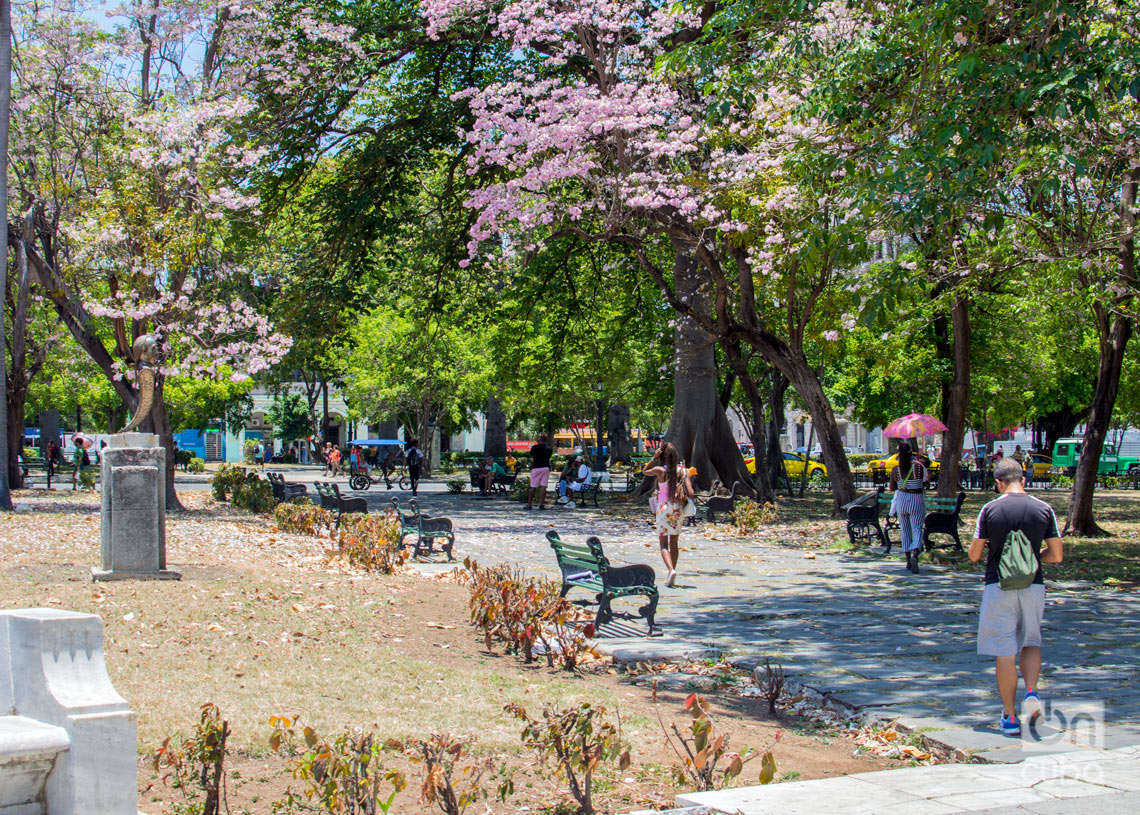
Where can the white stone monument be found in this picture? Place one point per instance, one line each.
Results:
(134, 489)
(67, 739)
(133, 532)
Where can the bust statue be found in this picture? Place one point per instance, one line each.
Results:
(147, 354)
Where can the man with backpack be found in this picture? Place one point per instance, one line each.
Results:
(1013, 527)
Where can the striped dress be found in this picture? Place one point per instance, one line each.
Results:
(910, 506)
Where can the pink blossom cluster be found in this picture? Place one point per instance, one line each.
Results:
(616, 137)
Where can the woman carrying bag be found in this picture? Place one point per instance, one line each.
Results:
(674, 490)
(908, 503)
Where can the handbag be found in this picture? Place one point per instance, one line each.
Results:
(690, 509)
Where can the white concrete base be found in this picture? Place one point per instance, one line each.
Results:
(133, 523)
(69, 739)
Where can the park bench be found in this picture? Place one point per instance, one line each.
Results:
(863, 519)
(504, 483)
(587, 567)
(425, 529)
(58, 472)
(589, 488)
(943, 516)
(331, 499)
(283, 491)
(724, 503)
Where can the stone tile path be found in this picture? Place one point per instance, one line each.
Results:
(865, 632)
(1097, 782)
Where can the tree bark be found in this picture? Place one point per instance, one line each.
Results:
(1114, 329)
(956, 400)
(777, 390)
(699, 427)
(495, 435)
(1059, 424)
(761, 484)
(5, 113)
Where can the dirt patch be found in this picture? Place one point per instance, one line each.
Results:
(264, 625)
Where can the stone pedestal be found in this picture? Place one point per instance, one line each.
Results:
(67, 739)
(134, 510)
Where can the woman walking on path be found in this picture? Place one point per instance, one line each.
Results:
(674, 489)
(908, 503)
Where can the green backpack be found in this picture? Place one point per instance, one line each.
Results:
(1018, 565)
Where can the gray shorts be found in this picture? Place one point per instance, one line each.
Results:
(1010, 620)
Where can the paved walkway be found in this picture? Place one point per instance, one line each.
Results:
(863, 631)
(1096, 782)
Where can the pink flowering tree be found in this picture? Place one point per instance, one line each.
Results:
(130, 157)
(591, 138)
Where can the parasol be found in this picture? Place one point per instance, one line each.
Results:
(84, 442)
(913, 425)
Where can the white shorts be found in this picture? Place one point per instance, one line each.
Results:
(1010, 620)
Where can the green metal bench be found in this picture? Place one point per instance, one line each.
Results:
(426, 530)
(587, 567)
(943, 516)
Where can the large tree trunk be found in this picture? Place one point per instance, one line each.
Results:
(159, 424)
(761, 484)
(699, 427)
(1113, 328)
(810, 389)
(5, 114)
(495, 435)
(777, 391)
(620, 444)
(956, 400)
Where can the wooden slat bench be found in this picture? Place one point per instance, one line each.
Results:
(863, 519)
(943, 516)
(331, 499)
(587, 567)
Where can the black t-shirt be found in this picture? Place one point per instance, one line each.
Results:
(1014, 510)
(540, 456)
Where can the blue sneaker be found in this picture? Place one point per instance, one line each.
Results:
(1031, 706)
(1010, 725)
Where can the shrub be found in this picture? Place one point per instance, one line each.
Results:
(451, 779)
(371, 542)
(196, 465)
(455, 485)
(302, 518)
(341, 776)
(196, 765)
(254, 494)
(1062, 482)
(520, 489)
(222, 482)
(246, 490)
(523, 613)
(87, 476)
(703, 749)
(249, 451)
(748, 516)
(577, 741)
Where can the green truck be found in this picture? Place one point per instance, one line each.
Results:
(1067, 453)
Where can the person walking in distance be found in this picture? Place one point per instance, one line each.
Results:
(1010, 533)
(674, 489)
(414, 458)
(908, 480)
(539, 472)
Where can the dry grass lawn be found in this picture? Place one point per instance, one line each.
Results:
(261, 625)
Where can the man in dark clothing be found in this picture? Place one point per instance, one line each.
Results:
(539, 472)
(1009, 627)
(414, 458)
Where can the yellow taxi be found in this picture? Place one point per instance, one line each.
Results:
(793, 466)
(890, 463)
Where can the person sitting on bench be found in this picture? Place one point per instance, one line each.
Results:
(568, 486)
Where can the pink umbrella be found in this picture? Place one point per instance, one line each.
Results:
(912, 425)
(84, 442)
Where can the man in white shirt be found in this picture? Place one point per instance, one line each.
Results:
(575, 484)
